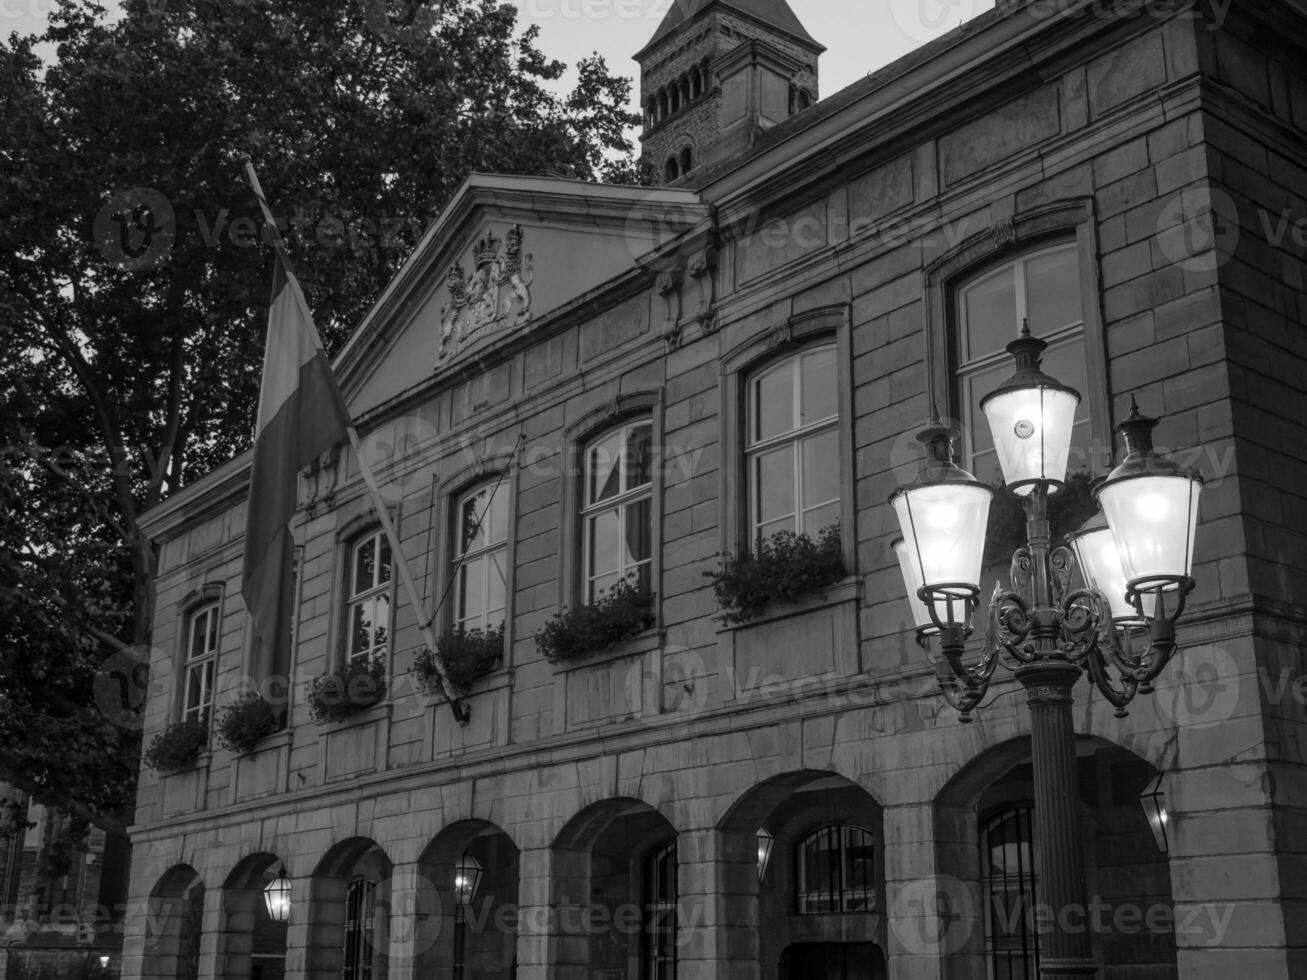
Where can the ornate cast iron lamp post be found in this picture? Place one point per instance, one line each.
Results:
(1136, 558)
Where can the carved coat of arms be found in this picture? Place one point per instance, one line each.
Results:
(497, 294)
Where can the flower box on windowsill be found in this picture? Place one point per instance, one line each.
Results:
(642, 642)
(846, 589)
(270, 743)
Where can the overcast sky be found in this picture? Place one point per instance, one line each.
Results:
(860, 35)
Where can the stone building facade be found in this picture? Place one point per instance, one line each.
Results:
(611, 379)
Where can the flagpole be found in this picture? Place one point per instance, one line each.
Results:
(461, 711)
(425, 624)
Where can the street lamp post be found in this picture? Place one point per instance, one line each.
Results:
(1044, 631)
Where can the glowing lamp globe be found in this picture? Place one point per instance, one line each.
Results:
(766, 842)
(1031, 416)
(276, 898)
(1151, 505)
(467, 878)
(912, 582)
(942, 514)
(1100, 563)
(1153, 800)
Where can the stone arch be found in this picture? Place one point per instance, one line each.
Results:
(174, 926)
(600, 863)
(347, 861)
(1123, 863)
(250, 943)
(789, 938)
(686, 160)
(482, 936)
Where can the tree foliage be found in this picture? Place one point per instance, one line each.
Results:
(133, 282)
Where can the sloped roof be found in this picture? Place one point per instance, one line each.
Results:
(777, 13)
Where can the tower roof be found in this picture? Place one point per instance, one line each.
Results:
(776, 13)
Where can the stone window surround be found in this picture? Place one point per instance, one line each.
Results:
(1025, 232)
(794, 334)
(444, 537)
(647, 403)
(210, 593)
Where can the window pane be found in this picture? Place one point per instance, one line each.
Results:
(819, 391)
(380, 620)
(639, 456)
(211, 620)
(602, 584)
(820, 517)
(1053, 288)
(360, 633)
(978, 384)
(775, 484)
(473, 534)
(990, 313)
(639, 531)
(605, 537)
(604, 473)
(498, 529)
(194, 689)
(471, 592)
(773, 405)
(495, 597)
(383, 572)
(197, 633)
(821, 468)
(365, 556)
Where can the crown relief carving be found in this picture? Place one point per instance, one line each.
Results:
(496, 296)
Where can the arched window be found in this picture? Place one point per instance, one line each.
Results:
(793, 444)
(201, 663)
(1007, 868)
(696, 83)
(836, 871)
(687, 160)
(360, 918)
(368, 605)
(675, 99)
(617, 508)
(672, 169)
(662, 105)
(660, 914)
(481, 562)
(1042, 287)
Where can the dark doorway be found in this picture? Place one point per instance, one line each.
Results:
(833, 961)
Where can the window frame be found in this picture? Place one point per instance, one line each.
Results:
(841, 891)
(209, 597)
(375, 534)
(590, 428)
(1026, 849)
(793, 439)
(360, 930)
(1020, 236)
(744, 361)
(459, 560)
(655, 954)
(622, 502)
(442, 555)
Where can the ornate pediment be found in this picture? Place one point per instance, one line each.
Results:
(496, 296)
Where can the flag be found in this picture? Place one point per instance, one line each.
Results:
(302, 414)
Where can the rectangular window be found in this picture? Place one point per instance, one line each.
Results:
(482, 560)
(793, 445)
(617, 516)
(660, 894)
(201, 663)
(360, 913)
(1044, 289)
(368, 607)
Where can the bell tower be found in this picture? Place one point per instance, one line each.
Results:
(716, 75)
